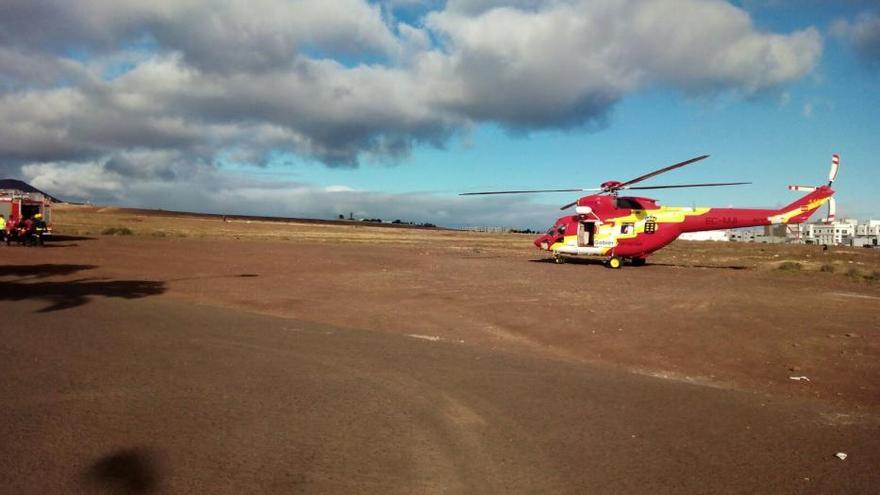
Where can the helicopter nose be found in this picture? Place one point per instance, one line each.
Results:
(543, 242)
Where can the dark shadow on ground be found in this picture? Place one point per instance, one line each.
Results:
(206, 277)
(601, 261)
(54, 241)
(47, 245)
(572, 261)
(67, 238)
(41, 271)
(126, 471)
(57, 245)
(70, 294)
(688, 265)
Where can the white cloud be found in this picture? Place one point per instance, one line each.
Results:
(817, 106)
(219, 36)
(566, 62)
(78, 181)
(339, 188)
(863, 34)
(807, 110)
(208, 189)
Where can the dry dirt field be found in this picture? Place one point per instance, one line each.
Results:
(193, 354)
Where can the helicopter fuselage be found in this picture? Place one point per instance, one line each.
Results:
(634, 227)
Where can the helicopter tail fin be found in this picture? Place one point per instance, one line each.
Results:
(801, 210)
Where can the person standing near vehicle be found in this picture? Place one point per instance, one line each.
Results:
(3, 227)
(39, 228)
(11, 230)
(25, 230)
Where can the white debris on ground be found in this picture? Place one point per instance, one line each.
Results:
(432, 338)
(841, 455)
(799, 378)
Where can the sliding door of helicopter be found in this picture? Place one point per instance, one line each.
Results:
(586, 233)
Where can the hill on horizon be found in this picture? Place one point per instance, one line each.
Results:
(24, 186)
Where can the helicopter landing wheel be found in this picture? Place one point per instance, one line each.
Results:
(558, 258)
(614, 262)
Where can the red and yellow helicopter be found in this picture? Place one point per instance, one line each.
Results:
(630, 228)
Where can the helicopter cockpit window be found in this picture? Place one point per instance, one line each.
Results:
(558, 231)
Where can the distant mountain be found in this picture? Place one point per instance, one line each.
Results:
(25, 187)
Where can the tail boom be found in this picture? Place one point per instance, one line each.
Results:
(734, 218)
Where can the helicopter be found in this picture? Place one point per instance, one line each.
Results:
(620, 228)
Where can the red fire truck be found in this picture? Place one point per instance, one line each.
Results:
(16, 205)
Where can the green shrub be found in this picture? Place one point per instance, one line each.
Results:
(117, 231)
(827, 268)
(790, 266)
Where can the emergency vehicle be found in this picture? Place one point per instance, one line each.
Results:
(16, 205)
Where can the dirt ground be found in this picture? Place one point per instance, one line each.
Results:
(545, 362)
(724, 314)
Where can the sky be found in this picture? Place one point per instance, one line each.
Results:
(389, 109)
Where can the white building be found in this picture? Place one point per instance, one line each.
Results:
(707, 235)
(741, 235)
(801, 233)
(834, 233)
(848, 232)
(869, 228)
(867, 234)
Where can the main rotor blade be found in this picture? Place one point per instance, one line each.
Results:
(690, 185)
(526, 191)
(662, 171)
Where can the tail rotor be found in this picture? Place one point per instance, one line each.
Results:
(832, 209)
(832, 174)
(835, 166)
